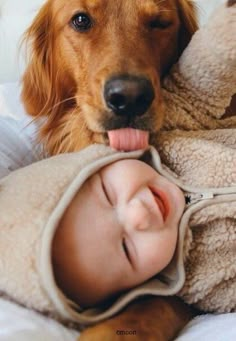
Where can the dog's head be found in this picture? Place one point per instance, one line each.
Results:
(96, 67)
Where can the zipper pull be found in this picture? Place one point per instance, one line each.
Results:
(191, 198)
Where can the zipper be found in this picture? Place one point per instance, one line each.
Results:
(192, 198)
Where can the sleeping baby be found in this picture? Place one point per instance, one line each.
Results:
(83, 234)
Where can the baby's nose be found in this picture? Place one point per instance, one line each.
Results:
(137, 216)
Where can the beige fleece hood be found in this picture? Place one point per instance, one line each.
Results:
(32, 202)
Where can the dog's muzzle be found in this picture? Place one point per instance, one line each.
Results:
(128, 95)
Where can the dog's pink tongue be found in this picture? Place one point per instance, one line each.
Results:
(128, 139)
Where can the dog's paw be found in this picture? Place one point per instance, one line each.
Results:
(98, 333)
(108, 332)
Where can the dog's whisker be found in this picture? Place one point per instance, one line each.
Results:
(167, 10)
(61, 102)
(160, 2)
(50, 110)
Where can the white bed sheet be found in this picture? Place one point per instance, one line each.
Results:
(210, 327)
(20, 324)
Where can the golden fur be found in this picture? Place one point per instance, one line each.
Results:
(67, 70)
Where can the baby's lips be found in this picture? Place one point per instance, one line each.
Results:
(128, 139)
(162, 201)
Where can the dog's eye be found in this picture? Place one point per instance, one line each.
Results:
(81, 22)
(159, 23)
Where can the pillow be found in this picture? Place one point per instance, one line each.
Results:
(18, 146)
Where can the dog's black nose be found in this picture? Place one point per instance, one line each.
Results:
(129, 95)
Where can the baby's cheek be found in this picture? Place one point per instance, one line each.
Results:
(160, 254)
(152, 258)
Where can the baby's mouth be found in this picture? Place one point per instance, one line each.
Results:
(161, 201)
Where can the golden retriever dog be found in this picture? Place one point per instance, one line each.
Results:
(95, 72)
(96, 65)
(147, 319)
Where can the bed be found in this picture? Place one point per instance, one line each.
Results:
(18, 323)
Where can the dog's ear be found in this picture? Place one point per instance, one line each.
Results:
(188, 22)
(44, 90)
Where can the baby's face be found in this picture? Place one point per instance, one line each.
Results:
(124, 224)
